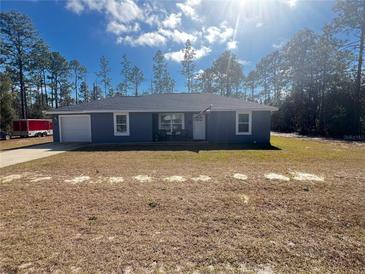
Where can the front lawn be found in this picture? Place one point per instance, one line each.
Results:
(83, 211)
(24, 142)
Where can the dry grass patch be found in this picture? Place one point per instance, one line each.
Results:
(215, 226)
(24, 142)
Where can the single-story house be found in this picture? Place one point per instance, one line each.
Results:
(164, 117)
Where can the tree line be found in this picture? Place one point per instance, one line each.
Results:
(316, 79)
(34, 78)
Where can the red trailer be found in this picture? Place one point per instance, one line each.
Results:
(32, 127)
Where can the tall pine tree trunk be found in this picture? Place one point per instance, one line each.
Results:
(45, 89)
(23, 97)
(358, 81)
(41, 99)
(76, 99)
(56, 94)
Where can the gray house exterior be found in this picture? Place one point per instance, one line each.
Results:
(164, 117)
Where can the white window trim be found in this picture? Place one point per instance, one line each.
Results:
(116, 133)
(159, 118)
(249, 122)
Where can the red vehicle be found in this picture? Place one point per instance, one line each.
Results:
(32, 127)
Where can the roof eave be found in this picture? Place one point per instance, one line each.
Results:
(55, 112)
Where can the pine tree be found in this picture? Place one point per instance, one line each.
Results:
(18, 38)
(351, 20)
(59, 73)
(188, 66)
(162, 81)
(96, 93)
(136, 78)
(103, 74)
(39, 63)
(78, 72)
(125, 84)
(84, 92)
(6, 102)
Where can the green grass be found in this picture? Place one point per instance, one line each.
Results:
(283, 149)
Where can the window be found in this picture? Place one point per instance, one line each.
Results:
(121, 124)
(243, 123)
(171, 122)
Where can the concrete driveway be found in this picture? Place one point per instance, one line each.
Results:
(21, 155)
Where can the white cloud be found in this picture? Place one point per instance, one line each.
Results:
(292, 3)
(158, 38)
(189, 8)
(151, 39)
(178, 56)
(119, 28)
(203, 51)
(279, 45)
(198, 74)
(232, 44)
(150, 16)
(123, 11)
(79, 6)
(244, 62)
(150, 23)
(178, 36)
(75, 6)
(172, 21)
(218, 34)
(259, 24)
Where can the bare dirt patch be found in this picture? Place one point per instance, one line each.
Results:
(302, 176)
(78, 179)
(175, 179)
(40, 179)
(276, 177)
(143, 178)
(11, 177)
(202, 178)
(240, 176)
(114, 180)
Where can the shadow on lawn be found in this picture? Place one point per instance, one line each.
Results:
(192, 147)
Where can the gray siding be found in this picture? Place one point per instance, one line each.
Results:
(102, 128)
(221, 128)
(140, 128)
(56, 132)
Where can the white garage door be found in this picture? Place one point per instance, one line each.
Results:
(75, 128)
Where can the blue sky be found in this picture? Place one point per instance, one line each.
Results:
(87, 29)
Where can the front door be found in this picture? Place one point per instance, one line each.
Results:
(199, 127)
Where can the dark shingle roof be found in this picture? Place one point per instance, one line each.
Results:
(165, 102)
